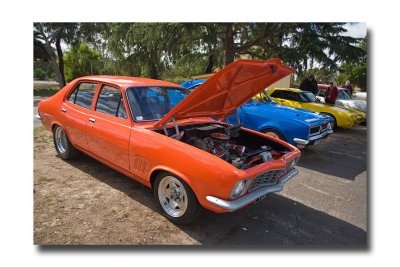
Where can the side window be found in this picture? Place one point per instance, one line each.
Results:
(121, 110)
(293, 96)
(83, 95)
(285, 95)
(110, 102)
(277, 94)
(73, 95)
(322, 92)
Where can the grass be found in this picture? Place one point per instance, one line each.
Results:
(45, 89)
(123, 217)
(44, 92)
(46, 201)
(42, 180)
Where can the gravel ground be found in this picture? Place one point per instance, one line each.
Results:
(85, 202)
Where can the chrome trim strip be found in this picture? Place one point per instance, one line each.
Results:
(251, 197)
(312, 138)
(300, 141)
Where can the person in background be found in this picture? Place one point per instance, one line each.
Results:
(310, 84)
(331, 94)
(348, 86)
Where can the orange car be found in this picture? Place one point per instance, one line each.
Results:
(190, 160)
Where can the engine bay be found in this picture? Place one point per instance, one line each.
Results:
(230, 143)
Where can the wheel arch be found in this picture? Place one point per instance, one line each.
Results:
(332, 115)
(158, 170)
(273, 128)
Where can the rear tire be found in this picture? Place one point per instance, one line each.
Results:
(63, 146)
(176, 199)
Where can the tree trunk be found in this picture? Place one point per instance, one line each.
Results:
(60, 61)
(210, 63)
(305, 64)
(229, 50)
(153, 66)
(53, 59)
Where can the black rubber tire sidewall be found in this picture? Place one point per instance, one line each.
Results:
(70, 151)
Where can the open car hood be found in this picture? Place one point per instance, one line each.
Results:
(228, 89)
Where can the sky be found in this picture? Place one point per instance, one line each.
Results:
(356, 30)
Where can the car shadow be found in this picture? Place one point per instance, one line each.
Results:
(277, 221)
(346, 149)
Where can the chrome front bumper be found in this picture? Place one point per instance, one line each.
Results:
(251, 197)
(312, 138)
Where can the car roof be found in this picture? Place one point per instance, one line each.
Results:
(288, 89)
(126, 81)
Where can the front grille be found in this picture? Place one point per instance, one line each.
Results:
(314, 130)
(265, 179)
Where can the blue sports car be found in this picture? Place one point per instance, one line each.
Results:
(296, 126)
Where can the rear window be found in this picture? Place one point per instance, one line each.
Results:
(83, 95)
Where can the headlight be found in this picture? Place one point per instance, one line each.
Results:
(240, 188)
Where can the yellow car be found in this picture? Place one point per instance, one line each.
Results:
(344, 117)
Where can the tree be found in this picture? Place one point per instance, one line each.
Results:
(48, 34)
(321, 43)
(356, 72)
(152, 46)
(81, 61)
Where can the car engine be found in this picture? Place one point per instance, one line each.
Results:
(220, 141)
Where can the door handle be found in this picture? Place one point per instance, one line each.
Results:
(92, 120)
(63, 109)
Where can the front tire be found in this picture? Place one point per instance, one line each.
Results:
(274, 133)
(176, 199)
(63, 146)
(334, 123)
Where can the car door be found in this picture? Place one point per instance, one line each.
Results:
(284, 98)
(108, 128)
(75, 112)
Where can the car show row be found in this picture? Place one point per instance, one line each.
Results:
(219, 144)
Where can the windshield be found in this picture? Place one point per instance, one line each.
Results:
(152, 102)
(307, 97)
(343, 94)
(260, 98)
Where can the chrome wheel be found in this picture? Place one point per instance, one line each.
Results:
(61, 140)
(172, 196)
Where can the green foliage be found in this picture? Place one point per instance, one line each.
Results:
(169, 50)
(81, 61)
(356, 74)
(39, 74)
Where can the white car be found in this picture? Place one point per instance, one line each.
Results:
(344, 99)
(360, 95)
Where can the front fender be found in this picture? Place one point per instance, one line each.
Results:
(288, 130)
